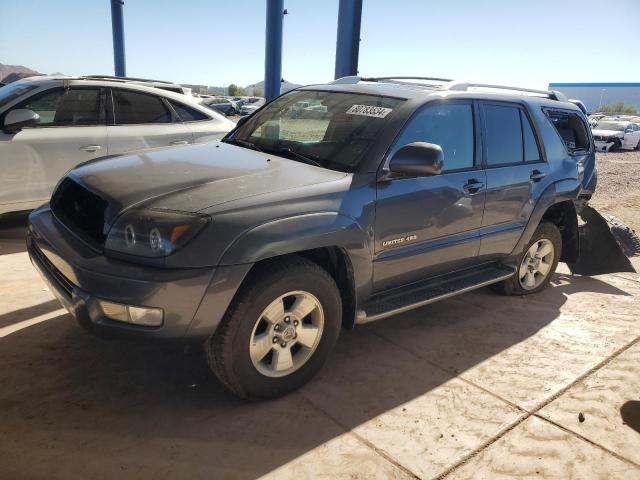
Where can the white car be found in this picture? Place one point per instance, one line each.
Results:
(251, 106)
(613, 134)
(51, 124)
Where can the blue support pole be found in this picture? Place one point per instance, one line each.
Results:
(348, 41)
(273, 49)
(117, 27)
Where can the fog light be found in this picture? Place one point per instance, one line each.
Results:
(149, 317)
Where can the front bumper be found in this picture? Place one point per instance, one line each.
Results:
(194, 300)
(603, 145)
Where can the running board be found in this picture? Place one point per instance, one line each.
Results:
(420, 294)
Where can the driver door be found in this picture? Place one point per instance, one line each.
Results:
(426, 226)
(71, 130)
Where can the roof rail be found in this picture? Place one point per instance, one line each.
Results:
(464, 86)
(125, 79)
(399, 80)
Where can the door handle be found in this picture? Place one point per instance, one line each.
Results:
(91, 148)
(179, 142)
(473, 186)
(537, 175)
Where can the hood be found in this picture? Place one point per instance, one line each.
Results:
(193, 178)
(607, 133)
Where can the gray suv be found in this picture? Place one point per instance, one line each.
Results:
(334, 205)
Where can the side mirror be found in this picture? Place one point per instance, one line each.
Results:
(18, 118)
(418, 159)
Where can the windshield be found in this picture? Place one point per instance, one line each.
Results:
(618, 127)
(10, 92)
(329, 129)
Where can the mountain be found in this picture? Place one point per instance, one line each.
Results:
(11, 73)
(284, 86)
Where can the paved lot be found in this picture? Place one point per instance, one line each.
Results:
(479, 386)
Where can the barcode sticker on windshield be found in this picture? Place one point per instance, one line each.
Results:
(369, 111)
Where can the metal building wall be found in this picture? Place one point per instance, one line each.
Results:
(596, 94)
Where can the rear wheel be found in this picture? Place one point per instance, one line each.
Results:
(279, 330)
(536, 264)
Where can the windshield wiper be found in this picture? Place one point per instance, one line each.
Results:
(305, 158)
(243, 143)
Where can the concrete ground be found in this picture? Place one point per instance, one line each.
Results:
(480, 386)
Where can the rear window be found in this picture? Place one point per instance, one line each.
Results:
(135, 108)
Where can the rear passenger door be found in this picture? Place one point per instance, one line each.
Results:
(141, 120)
(516, 174)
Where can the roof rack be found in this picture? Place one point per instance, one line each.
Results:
(124, 79)
(464, 86)
(397, 80)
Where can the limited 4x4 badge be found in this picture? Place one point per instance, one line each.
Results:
(399, 241)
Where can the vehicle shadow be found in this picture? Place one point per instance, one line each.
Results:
(27, 313)
(13, 229)
(87, 405)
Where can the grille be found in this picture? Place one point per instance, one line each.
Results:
(81, 211)
(63, 282)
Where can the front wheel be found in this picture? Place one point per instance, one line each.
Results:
(536, 264)
(279, 330)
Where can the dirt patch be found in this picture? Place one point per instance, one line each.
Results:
(618, 192)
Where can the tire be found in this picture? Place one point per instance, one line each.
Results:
(546, 234)
(617, 145)
(626, 237)
(231, 350)
(637, 146)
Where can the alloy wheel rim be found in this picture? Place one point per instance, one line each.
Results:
(286, 334)
(536, 264)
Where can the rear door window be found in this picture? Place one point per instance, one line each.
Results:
(531, 151)
(132, 108)
(503, 133)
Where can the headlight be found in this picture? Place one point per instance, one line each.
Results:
(153, 233)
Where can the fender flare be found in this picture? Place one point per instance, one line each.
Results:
(557, 192)
(290, 235)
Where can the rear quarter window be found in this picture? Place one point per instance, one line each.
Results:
(188, 114)
(571, 130)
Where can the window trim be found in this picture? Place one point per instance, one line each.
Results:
(384, 174)
(101, 108)
(536, 134)
(174, 116)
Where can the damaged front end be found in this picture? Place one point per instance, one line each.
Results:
(606, 244)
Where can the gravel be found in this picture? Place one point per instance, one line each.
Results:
(618, 190)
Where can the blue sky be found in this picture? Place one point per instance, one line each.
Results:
(216, 42)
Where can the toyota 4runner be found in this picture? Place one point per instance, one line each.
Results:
(331, 206)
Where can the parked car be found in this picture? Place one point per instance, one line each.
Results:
(268, 242)
(613, 134)
(51, 124)
(221, 105)
(251, 105)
